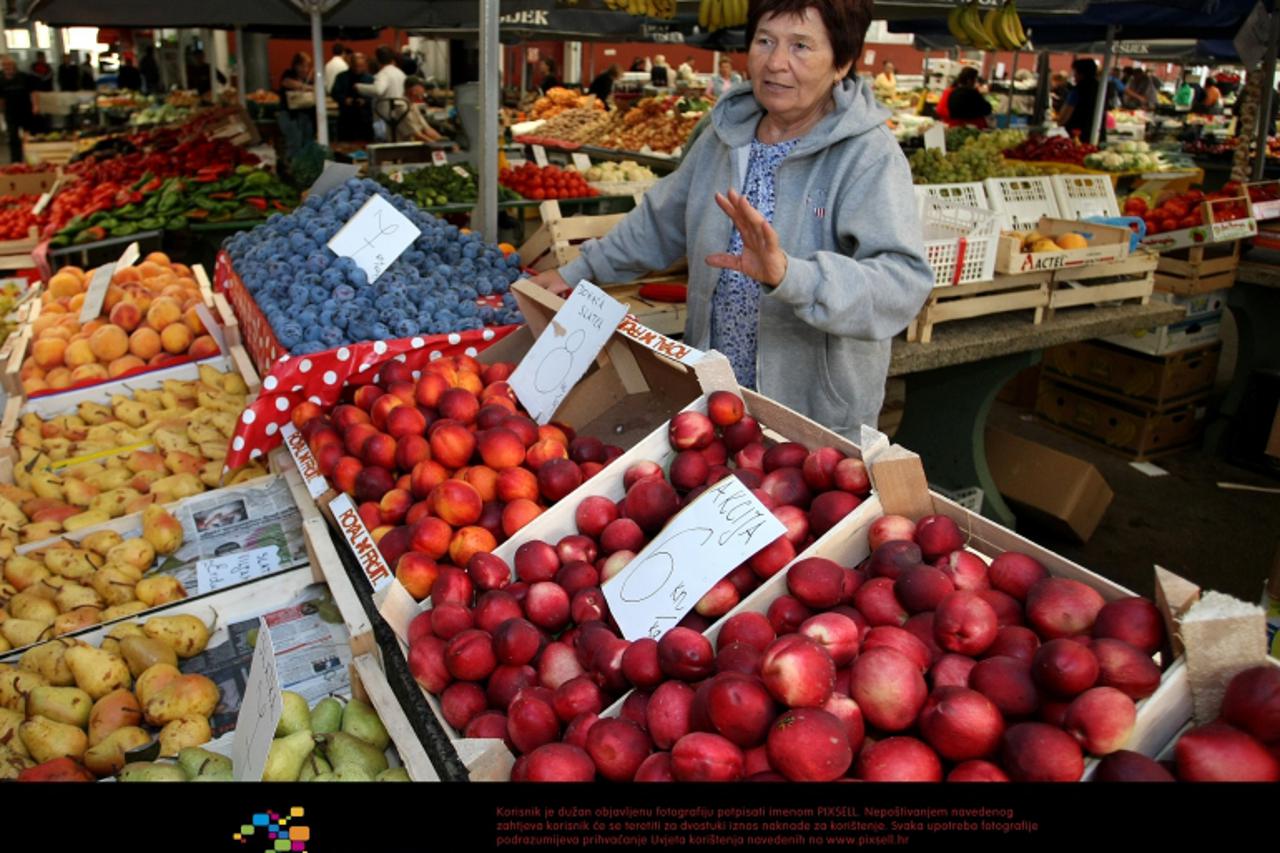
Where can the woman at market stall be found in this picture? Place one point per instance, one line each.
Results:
(796, 212)
(297, 120)
(723, 79)
(355, 111)
(547, 75)
(966, 105)
(886, 82)
(1076, 115)
(1209, 100)
(660, 76)
(602, 86)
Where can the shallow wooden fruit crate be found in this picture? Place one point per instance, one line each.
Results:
(1199, 269)
(57, 153)
(559, 238)
(1029, 291)
(1127, 280)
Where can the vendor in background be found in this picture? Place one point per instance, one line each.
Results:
(684, 74)
(602, 86)
(1077, 111)
(1141, 93)
(547, 79)
(966, 105)
(355, 111)
(1209, 100)
(796, 213)
(42, 73)
(128, 77)
(414, 127)
(886, 82)
(660, 76)
(200, 74)
(723, 79)
(335, 66)
(69, 73)
(298, 124)
(1059, 88)
(150, 69)
(16, 88)
(88, 80)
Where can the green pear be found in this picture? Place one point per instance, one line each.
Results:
(196, 761)
(69, 705)
(296, 716)
(314, 766)
(326, 716)
(9, 722)
(287, 755)
(393, 774)
(360, 720)
(152, 771)
(351, 773)
(217, 775)
(345, 750)
(48, 739)
(326, 777)
(140, 653)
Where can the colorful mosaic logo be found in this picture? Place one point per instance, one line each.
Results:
(278, 833)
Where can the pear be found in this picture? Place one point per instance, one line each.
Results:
(47, 484)
(5, 645)
(295, 717)
(129, 608)
(324, 777)
(9, 722)
(69, 705)
(343, 749)
(70, 563)
(134, 553)
(106, 757)
(195, 762)
(75, 595)
(141, 653)
(119, 709)
(79, 493)
(97, 672)
(24, 632)
(15, 685)
(287, 755)
(182, 463)
(77, 619)
(186, 695)
(360, 720)
(125, 630)
(48, 587)
(145, 460)
(107, 481)
(393, 774)
(114, 584)
(151, 771)
(217, 775)
(211, 474)
(233, 383)
(101, 542)
(189, 730)
(176, 487)
(28, 605)
(23, 571)
(114, 501)
(245, 473)
(155, 679)
(326, 716)
(314, 766)
(47, 739)
(49, 660)
(159, 589)
(161, 529)
(88, 518)
(40, 531)
(187, 635)
(351, 773)
(93, 413)
(12, 762)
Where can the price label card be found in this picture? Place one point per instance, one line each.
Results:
(723, 528)
(129, 256)
(308, 467)
(361, 543)
(565, 349)
(375, 237)
(397, 176)
(221, 572)
(41, 203)
(461, 172)
(539, 155)
(936, 138)
(333, 176)
(439, 158)
(581, 162)
(260, 712)
(97, 290)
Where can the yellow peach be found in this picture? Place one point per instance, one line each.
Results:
(49, 352)
(109, 343)
(124, 364)
(79, 353)
(144, 342)
(163, 311)
(175, 338)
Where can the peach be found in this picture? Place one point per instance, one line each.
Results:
(748, 627)
(1061, 607)
(890, 528)
(372, 483)
(829, 508)
(559, 663)
(668, 715)
(202, 347)
(898, 759)
(650, 503)
(500, 448)
(405, 421)
(382, 407)
(557, 478)
(89, 373)
(394, 506)
(417, 572)
(344, 473)
(951, 671)
(458, 404)
(125, 315)
(123, 365)
(685, 654)
(938, 535)
(425, 476)
(1039, 752)
(1101, 718)
(346, 416)
(468, 542)
(961, 724)
(892, 558)
(1020, 642)
(876, 601)
(888, 687)
(1252, 702)
(809, 745)
(59, 377)
(798, 671)
(740, 708)
(79, 353)
(816, 582)
(741, 434)
(456, 502)
(966, 570)
(1218, 752)
(175, 339)
(964, 623)
(163, 312)
(618, 748)
(1015, 573)
(518, 513)
(543, 451)
(902, 641)
(451, 443)
(63, 285)
(410, 450)
(1007, 682)
(1127, 669)
(1125, 766)
(144, 342)
(1064, 668)
(192, 318)
(379, 449)
(516, 483)
(706, 757)
(922, 588)
(1133, 620)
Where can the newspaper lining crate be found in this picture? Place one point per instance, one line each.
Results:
(1137, 432)
(1006, 293)
(1158, 381)
(1199, 269)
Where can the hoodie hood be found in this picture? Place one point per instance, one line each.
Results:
(857, 111)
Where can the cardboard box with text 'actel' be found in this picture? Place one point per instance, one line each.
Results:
(1064, 492)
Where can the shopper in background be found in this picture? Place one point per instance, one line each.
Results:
(660, 76)
(200, 74)
(1209, 101)
(723, 79)
(16, 88)
(1058, 91)
(408, 62)
(967, 106)
(387, 86)
(355, 112)
(150, 69)
(1081, 102)
(128, 77)
(297, 123)
(684, 74)
(886, 82)
(547, 79)
(641, 64)
(42, 73)
(88, 80)
(69, 73)
(804, 304)
(413, 126)
(1141, 93)
(602, 86)
(335, 66)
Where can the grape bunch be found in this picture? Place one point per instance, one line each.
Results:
(977, 158)
(315, 300)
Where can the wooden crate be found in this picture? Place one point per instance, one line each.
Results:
(1129, 279)
(57, 153)
(1029, 291)
(1199, 269)
(559, 238)
(1155, 381)
(1137, 432)
(24, 246)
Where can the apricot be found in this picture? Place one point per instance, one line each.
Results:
(75, 303)
(157, 258)
(89, 373)
(144, 342)
(79, 353)
(125, 275)
(49, 351)
(109, 343)
(162, 312)
(124, 364)
(63, 332)
(192, 319)
(43, 322)
(202, 347)
(63, 285)
(176, 338)
(150, 269)
(59, 377)
(33, 385)
(126, 315)
(181, 269)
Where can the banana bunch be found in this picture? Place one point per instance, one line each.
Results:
(717, 14)
(995, 29)
(644, 8)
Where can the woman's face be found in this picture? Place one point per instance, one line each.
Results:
(726, 69)
(791, 64)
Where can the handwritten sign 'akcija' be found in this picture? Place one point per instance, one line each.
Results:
(362, 544)
(659, 342)
(723, 528)
(308, 467)
(375, 237)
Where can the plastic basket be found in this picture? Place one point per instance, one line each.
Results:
(1023, 200)
(960, 243)
(969, 194)
(1083, 196)
(970, 498)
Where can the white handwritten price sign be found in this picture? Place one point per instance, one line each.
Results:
(539, 155)
(565, 349)
(97, 290)
(724, 527)
(581, 162)
(221, 572)
(936, 138)
(375, 237)
(260, 711)
(439, 158)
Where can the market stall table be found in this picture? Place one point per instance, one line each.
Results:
(952, 381)
(1255, 306)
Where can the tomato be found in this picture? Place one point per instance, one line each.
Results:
(1153, 226)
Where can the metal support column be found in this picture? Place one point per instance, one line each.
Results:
(1265, 127)
(485, 219)
(317, 51)
(1100, 102)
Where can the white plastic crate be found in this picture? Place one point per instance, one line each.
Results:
(970, 498)
(960, 243)
(971, 194)
(1023, 200)
(1082, 196)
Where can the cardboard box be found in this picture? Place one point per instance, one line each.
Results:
(1198, 306)
(1055, 488)
(1106, 244)
(1157, 381)
(1175, 337)
(1136, 431)
(28, 183)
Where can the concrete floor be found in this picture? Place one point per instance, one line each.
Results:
(1220, 539)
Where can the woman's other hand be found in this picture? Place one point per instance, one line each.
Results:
(552, 280)
(762, 257)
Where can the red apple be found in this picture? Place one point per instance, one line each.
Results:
(1061, 607)
(889, 689)
(1101, 718)
(1038, 752)
(706, 757)
(618, 748)
(961, 723)
(1252, 702)
(938, 535)
(1064, 668)
(1015, 573)
(809, 745)
(1134, 620)
(888, 528)
(964, 624)
(898, 759)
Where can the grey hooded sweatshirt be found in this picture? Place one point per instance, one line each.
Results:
(846, 217)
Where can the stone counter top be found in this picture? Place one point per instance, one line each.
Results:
(964, 341)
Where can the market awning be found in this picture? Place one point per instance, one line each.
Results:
(223, 14)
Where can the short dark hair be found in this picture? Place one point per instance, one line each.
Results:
(338, 49)
(384, 55)
(1086, 68)
(968, 76)
(846, 22)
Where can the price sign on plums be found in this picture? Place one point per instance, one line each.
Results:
(565, 349)
(723, 528)
(375, 237)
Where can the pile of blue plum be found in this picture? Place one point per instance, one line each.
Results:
(315, 300)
